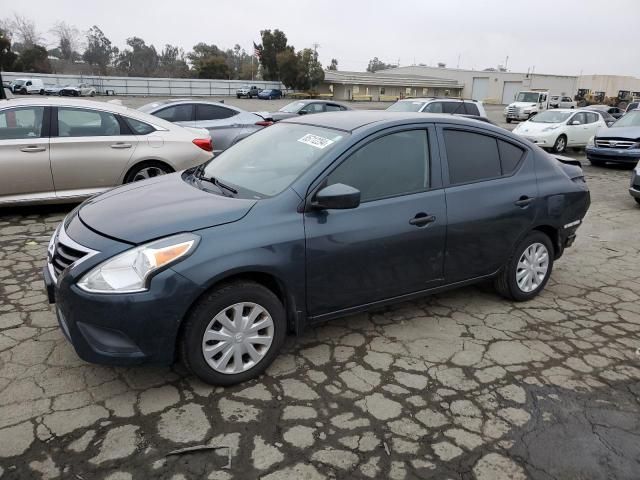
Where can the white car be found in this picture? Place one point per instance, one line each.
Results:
(561, 128)
(562, 101)
(60, 150)
(440, 105)
(25, 86)
(80, 90)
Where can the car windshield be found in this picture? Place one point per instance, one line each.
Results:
(267, 162)
(530, 97)
(292, 107)
(265, 91)
(632, 106)
(406, 106)
(551, 116)
(631, 119)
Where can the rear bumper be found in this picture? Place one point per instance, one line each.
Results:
(627, 156)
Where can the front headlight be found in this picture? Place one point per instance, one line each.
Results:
(592, 141)
(548, 129)
(128, 272)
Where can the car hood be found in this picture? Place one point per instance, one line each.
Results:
(150, 209)
(533, 127)
(277, 116)
(631, 133)
(523, 104)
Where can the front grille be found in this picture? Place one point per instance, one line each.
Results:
(64, 256)
(610, 143)
(513, 111)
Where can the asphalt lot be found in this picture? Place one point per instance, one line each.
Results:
(458, 385)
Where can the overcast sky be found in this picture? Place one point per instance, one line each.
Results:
(555, 36)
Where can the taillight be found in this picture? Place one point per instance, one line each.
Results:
(204, 143)
(265, 123)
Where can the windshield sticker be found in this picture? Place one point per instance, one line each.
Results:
(315, 141)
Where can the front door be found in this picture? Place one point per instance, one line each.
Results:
(89, 151)
(491, 200)
(25, 171)
(578, 134)
(393, 243)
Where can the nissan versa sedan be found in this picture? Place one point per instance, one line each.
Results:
(226, 124)
(618, 144)
(61, 150)
(314, 218)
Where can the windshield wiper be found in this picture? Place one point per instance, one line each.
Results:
(216, 182)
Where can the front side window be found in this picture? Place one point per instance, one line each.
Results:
(313, 108)
(293, 107)
(581, 118)
(18, 123)
(471, 156)
(77, 122)
(213, 112)
(396, 164)
(333, 108)
(176, 113)
(592, 117)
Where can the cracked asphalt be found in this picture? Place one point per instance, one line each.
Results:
(459, 385)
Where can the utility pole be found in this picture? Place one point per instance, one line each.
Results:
(506, 63)
(458, 66)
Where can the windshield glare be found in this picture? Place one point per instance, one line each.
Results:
(292, 107)
(631, 119)
(267, 162)
(529, 97)
(551, 116)
(406, 106)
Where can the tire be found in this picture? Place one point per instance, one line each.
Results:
(41, 92)
(560, 144)
(508, 120)
(93, 94)
(154, 169)
(506, 283)
(202, 319)
(597, 163)
(238, 97)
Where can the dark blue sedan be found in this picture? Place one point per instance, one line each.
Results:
(314, 218)
(271, 94)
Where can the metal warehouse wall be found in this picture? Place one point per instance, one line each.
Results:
(166, 87)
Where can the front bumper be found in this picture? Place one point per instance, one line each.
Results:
(544, 140)
(625, 155)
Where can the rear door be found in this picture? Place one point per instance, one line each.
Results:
(224, 124)
(90, 150)
(491, 190)
(594, 122)
(25, 171)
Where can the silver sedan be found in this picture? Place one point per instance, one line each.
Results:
(226, 124)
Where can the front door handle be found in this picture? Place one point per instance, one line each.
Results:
(524, 201)
(32, 149)
(121, 145)
(421, 219)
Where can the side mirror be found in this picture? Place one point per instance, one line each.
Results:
(302, 112)
(337, 196)
(576, 122)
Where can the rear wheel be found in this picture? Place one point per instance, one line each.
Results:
(560, 145)
(526, 273)
(233, 334)
(147, 170)
(597, 163)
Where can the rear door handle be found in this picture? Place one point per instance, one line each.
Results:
(121, 145)
(32, 149)
(421, 219)
(524, 201)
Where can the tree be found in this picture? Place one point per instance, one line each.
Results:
(33, 60)
(23, 32)
(68, 41)
(7, 57)
(139, 60)
(375, 64)
(272, 44)
(334, 65)
(310, 73)
(209, 61)
(288, 67)
(99, 52)
(171, 63)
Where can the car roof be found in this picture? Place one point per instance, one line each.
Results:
(149, 107)
(355, 119)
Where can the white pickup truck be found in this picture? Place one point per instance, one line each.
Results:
(527, 104)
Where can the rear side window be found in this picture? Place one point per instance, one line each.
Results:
(333, 108)
(393, 165)
(592, 117)
(510, 156)
(138, 127)
(453, 107)
(434, 107)
(471, 109)
(176, 113)
(213, 112)
(471, 156)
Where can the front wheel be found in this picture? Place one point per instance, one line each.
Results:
(560, 144)
(233, 334)
(508, 120)
(526, 273)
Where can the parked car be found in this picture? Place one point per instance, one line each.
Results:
(270, 94)
(608, 118)
(634, 189)
(26, 86)
(615, 112)
(562, 101)
(527, 104)
(306, 107)
(632, 106)
(53, 89)
(303, 222)
(87, 147)
(226, 124)
(79, 90)
(619, 143)
(561, 128)
(439, 105)
(248, 91)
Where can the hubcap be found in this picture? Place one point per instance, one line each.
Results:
(148, 172)
(560, 144)
(532, 267)
(237, 338)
